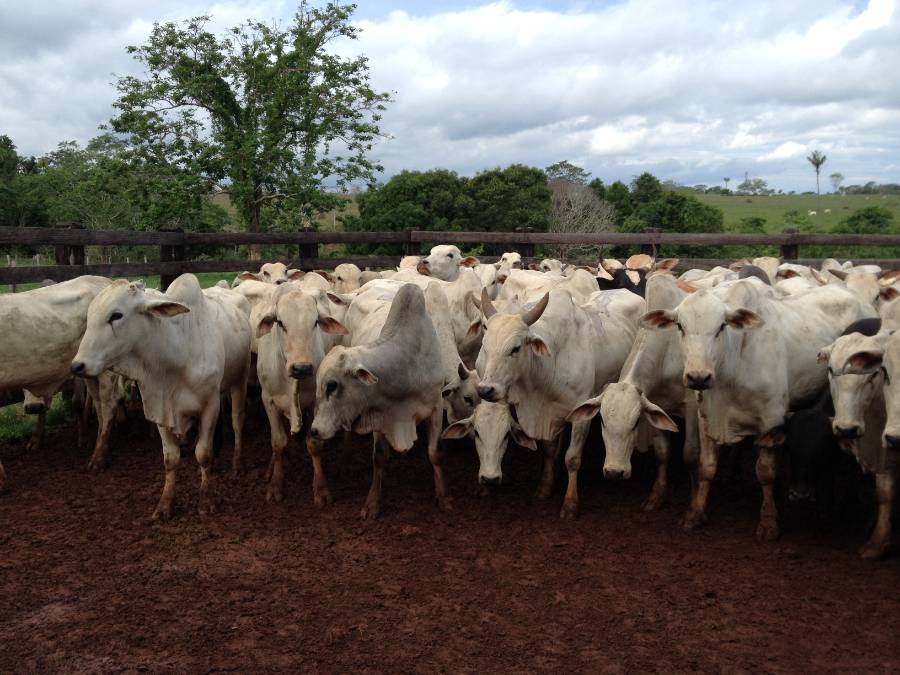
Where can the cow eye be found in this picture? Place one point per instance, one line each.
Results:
(476, 433)
(721, 328)
(340, 279)
(468, 400)
(515, 350)
(265, 274)
(115, 316)
(330, 387)
(887, 378)
(680, 327)
(449, 255)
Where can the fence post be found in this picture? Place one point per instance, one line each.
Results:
(650, 248)
(524, 249)
(790, 251)
(69, 254)
(170, 253)
(308, 251)
(411, 247)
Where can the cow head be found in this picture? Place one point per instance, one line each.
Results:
(461, 396)
(491, 425)
(622, 407)
(508, 346)
(346, 278)
(443, 262)
(344, 390)
(551, 266)
(891, 373)
(299, 318)
(270, 273)
(704, 323)
(119, 320)
(509, 261)
(855, 377)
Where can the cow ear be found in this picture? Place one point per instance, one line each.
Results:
(657, 417)
(824, 355)
(328, 276)
(863, 363)
(293, 275)
(520, 437)
(264, 327)
(474, 329)
(887, 277)
(331, 325)
(743, 318)
(338, 299)
(463, 372)
(659, 318)
(538, 346)
(459, 429)
(634, 276)
(165, 308)
(667, 264)
(449, 389)
(888, 293)
(247, 276)
(788, 274)
(365, 376)
(586, 411)
(468, 261)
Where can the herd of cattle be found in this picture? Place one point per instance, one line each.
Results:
(784, 354)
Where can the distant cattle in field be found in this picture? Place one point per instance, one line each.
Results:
(810, 213)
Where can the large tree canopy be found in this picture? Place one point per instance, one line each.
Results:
(266, 113)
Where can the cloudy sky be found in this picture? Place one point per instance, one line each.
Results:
(691, 90)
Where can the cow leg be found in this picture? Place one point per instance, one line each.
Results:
(321, 493)
(275, 474)
(102, 392)
(573, 464)
(768, 513)
(238, 415)
(171, 458)
(661, 447)
(434, 454)
(703, 473)
(380, 452)
(885, 493)
(204, 454)
(548, 475)
(37, 434)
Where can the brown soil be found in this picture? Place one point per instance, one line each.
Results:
(89, 584)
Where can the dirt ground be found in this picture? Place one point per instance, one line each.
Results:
(89, 584)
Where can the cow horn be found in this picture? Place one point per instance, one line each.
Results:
(840, 274)
(486, 305)
(533, 314)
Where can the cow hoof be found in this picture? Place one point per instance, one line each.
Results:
(322, 498)
(370, 512)
(569, 511)
(444, 504)
(693, 520)
(32, 446)
(767, 530)
(162, 513)
(481, 490)
(96, 465)
(873, 551)
(654, 502)
(274, 494)
(543, 493)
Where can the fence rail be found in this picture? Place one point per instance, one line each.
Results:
(69, 240)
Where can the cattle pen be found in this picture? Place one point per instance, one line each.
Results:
(90, 582)
(170, 251)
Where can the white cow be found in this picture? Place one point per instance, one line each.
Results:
(444, 262)
(183, 347)
(528, 285)
(270, 273)
(346, 278)
(752, 356)
(861, 372)
(386, 388)
(551, 266)
(649, 389)
(294, 332)
(551, 357)
(42, 329)
(509, 261)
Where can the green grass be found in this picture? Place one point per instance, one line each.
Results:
(16, 426)
(773, 208)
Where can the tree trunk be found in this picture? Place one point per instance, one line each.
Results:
(253, 226)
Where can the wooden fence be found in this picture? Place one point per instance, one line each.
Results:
(69, 241)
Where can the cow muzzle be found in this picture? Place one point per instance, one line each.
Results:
(35, 408)
(423, 268)
(492, 481)
(300, 371)
(79, 368)
(698, 380)
(849, 432)
(616, 474)
(489, 393)
(892, 442)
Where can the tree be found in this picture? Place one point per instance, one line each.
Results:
(726, 181)
(646, 188)
(836, 180)
(576, 208)
(504, 199)
(264, 113)
(565, 170)
(869, 220)
(817, 159)
(618, 195)
(9, 160)
(598, 187)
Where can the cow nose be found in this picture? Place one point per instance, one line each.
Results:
(698, 381)
(613, 474)
(487, 393)
(78, 367)
(34, 408)
(301, 370)
(847, 432)
(313, 432)
(484, 480)
(280, 281)
(893, 442)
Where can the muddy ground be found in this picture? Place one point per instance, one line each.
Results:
(89, 584)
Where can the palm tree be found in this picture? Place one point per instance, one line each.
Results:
(817, 159)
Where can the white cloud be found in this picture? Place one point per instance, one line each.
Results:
(690, 90)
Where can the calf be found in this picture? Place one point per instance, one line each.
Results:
(386, 388)
(183, 347)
